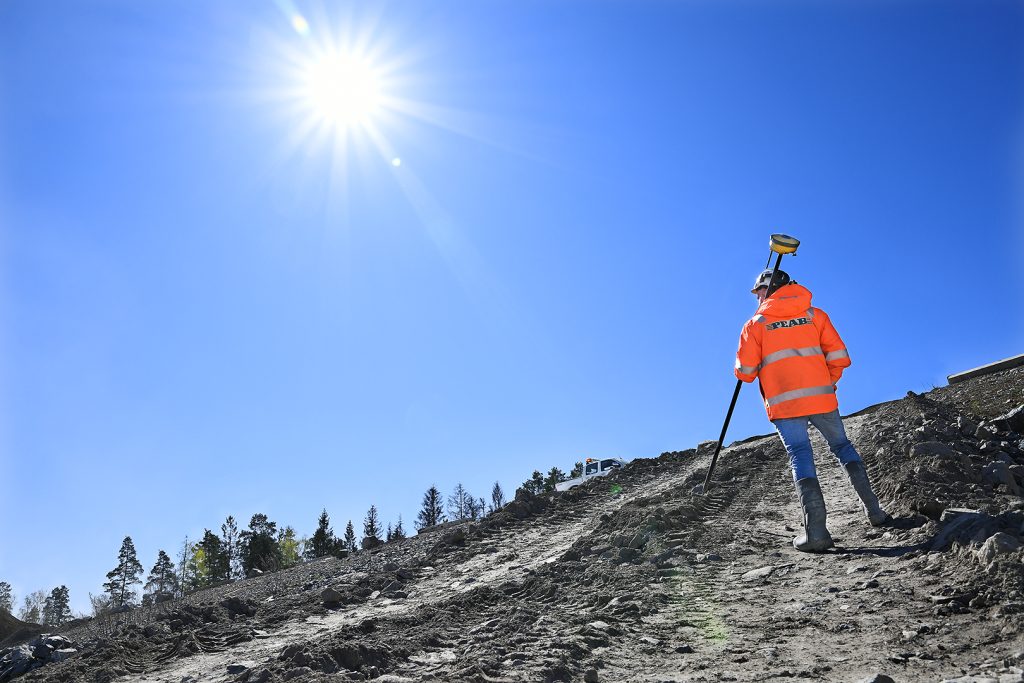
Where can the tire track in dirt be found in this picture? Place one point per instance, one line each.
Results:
(538, 541)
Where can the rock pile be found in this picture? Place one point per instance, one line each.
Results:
(37, 652)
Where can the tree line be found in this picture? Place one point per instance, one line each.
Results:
(235, 553)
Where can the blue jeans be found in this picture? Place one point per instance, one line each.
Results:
(793, 432)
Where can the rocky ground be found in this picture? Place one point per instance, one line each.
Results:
(635, 578)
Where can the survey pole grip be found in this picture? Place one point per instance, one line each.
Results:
(736, 391)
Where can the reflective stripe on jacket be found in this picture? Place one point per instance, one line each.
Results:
(795, 352)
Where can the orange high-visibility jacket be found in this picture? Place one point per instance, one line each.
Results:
(795, 352)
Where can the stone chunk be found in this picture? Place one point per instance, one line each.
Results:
(998, 473)
(997, 544)
(1011, 421)
(331, 597)
(236, 605)
(760, 573)
(966, 425)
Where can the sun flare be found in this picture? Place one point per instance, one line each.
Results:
(342, 90)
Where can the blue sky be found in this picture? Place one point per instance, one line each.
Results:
(213, 302)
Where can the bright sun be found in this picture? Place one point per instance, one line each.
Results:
(344, 91)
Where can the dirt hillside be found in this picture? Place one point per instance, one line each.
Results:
(634, 578)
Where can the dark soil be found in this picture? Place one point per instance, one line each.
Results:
(634, 578)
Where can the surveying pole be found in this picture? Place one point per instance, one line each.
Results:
(781, 245)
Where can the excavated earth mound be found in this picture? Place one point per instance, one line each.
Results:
(634, 578)
(13, 630)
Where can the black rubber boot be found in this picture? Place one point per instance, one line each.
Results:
(859, 478)
(815, 537)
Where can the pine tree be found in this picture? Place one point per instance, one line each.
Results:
(431, 510)
(555, 476)
(289, 546)
(218, 564)
(389, 534)
(323, 542)
(162, 582)
(460, 503)
(229, 541)
(57, 608)
(398, 533)
(259, 545)
(349, 541)
(479, 508)
(497, 497)
(121, 578)
(32, 607)
(6, 598)
(535, 484)
(577, 470)
(371, 524)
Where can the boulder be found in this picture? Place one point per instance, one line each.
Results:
(236, 605)
(998, 473)
(959, 524)
(966, 425)
(62, 654)
(370, 542)
(998, 543)
(1012, 421)
(58, 642)
(331, 596)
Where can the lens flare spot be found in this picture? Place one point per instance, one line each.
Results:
(396, 162)
(300, 24)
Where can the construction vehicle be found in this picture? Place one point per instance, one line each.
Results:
(592, 467)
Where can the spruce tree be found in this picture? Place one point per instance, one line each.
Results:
(398, 533)
(577, 470)
(349, 542)
(389, 534)
(460, 503)
(431, 510)
(259, 545)
(229, 542)
(121, 578)
(323, 542)
(497, 497)
(57, 608)
(6, 597)
(218, 564)
(162, 582)
(371, 524)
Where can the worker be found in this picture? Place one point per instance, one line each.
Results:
(798, 356)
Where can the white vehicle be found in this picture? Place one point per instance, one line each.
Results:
(592, 468)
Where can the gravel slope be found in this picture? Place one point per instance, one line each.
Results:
(634, 578)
